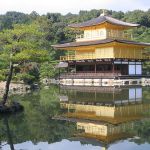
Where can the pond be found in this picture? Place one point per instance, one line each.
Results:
(79, 118)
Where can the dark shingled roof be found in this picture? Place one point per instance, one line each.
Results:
(98, 42)
(103, 19)
(62, 65)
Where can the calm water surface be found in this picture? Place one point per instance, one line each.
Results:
(79, 118)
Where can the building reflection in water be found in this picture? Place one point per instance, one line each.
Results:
(105, 114)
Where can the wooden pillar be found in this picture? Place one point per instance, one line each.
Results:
(113, 68)
(59, 75)
(68, 68)
(95, 67)
(75, 67)
(95, 95)
(59, 89)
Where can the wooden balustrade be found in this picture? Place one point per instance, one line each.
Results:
(90, 75)
(77, 57)
(86, 57)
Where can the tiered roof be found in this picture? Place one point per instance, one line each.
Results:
(98, 21)
(102, 19)
(99, 42)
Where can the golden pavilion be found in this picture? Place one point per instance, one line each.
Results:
(103, 55)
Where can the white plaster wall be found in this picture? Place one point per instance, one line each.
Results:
(138, 69)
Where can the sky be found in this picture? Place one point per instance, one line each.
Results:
(73, 6)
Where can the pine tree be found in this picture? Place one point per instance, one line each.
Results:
(18, 46)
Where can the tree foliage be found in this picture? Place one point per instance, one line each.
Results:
(21, 46)
(53, 28)
(35, 123)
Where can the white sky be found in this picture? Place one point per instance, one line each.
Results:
(73, 6)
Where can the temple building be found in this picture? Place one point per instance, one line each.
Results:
(103, 54)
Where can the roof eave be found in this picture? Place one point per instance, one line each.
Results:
(134, 43)
(84, 26)
(63, 47)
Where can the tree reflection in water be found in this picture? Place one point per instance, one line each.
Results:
(8, 133)
(35, 124)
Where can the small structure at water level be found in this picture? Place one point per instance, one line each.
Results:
(104, 55)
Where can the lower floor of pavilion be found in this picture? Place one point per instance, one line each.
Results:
(102, 73)
(107, 69)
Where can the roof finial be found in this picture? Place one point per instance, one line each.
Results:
(104, 13)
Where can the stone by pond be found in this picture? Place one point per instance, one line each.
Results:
(15, 88)
(14, 107)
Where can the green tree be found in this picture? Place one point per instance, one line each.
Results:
(19, 46)
(48, 70)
